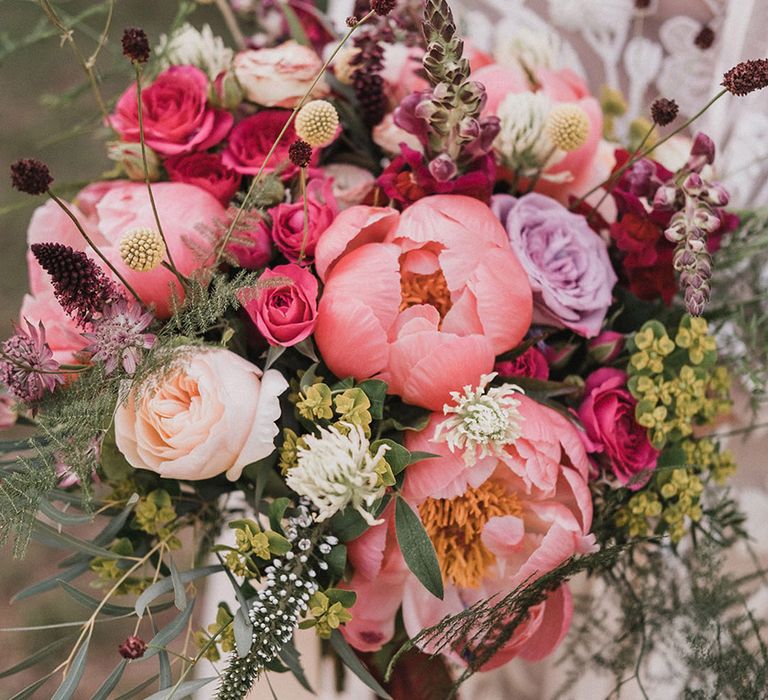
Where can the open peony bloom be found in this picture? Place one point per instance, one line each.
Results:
(511, 518)
(214, 413)
(423, 299)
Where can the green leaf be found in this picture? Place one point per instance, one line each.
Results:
(243, 630)
(290, 656)
(92, 603)
(184, 690)
(543, 388)
(341, 595)
(354, 664)
(397, 456)
(306, 347)
(179, 594)
(111, 682)
(349, 524)
(418, 456)
(52, 582)
(67, 689)
(277, 543)
(61, 540)
(295, 26)
(172, 630)
(417, 549)
(29, 691)
(166, 677)
(114, 465)
(133, 692)
(308, 378)
(337, 560)
(46, 508)
(277, 511)
(37, 656)
(376, 391)
(166, 585)
(273, 355)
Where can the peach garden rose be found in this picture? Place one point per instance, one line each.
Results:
(214, 413)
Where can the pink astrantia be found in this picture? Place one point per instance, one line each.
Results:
(27, 366)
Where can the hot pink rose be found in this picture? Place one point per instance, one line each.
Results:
(279, 76)
(252, 247)
(522, 515)
(183, 210)
(177, 116)
(288, 231)
(207, 171)
(531, 363)
(251, 140)
(214, 415)
(285, 314)
(608, 416)
(424, 299)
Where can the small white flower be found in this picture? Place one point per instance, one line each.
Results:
(522, 142)
(189, 46)
(482, 421)
(335, 470)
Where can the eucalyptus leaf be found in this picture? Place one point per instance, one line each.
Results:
(166, 677)
(291, 657)
(417, 548)
(183, 690)
(397, 456)
(295, 27)
(34, 658)
(243, 630)
(133, 692)
(46, 508)
(92, 603)
(61, 540)
(354, 664)
(30, 690)
(179, 594)
(376, 391)
(111, 681)
(52, 582)
(67, 689)
(166, 585)
(172, 630)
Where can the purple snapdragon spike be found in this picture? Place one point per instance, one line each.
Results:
(118, 337)
(80, 285)
(27, 366)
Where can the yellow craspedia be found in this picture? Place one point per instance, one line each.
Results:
(567, 127)
(317, 122)
(142, 249)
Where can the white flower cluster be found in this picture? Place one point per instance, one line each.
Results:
(189, 46)
(337, 469)
(529, 48)
(482, 421)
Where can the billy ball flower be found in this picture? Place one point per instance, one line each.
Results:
(142, 249)
(567, 127)
(664, 111)
(746, 77)
(31, 176)
(317, 122)
(300, 153)
(482, 421)
(136, 45)
(337, 469)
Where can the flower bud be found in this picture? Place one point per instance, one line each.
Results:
(606, 347)
(560, 355)
(128, 156)
(443, 168)
(225, 91)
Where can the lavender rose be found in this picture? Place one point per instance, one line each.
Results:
(566, 261)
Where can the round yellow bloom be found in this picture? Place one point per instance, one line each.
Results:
(142, 249)
(317, 122)
(343, 68)
(567, 127)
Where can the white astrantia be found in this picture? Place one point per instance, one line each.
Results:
(189, 46)
(529, 48)
(522, 142)
(335, 470)
(481, 421)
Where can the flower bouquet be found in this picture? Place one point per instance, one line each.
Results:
(393, 339)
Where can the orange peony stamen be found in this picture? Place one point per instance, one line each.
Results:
(425, 289)
(455, 524)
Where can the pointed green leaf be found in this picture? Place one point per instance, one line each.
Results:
(67, 689)
(184, 690)
(61, 540)
(376, 391)
(398, 458)
(30, 690)
(243, 630)
(37, 656)
(166, 585)
(166, 678)
(133, 692)
(179, 594)
(417, 549)
(46, 508)
(291, 657)
(354, 664)
(172, 630)
(92, 603)
(111, 682)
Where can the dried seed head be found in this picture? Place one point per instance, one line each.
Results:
(746, 77)
(300, 153)
(136, 44)
(31, 176)
(567, 127)
(664, 111)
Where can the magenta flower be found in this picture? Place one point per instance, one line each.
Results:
(118, 338)
(27, 366)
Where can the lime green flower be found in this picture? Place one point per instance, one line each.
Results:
(353, 406)
(326, 616)
(316, 403)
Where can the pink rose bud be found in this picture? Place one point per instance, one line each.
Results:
(606, 347)
(225, 91)
(286, 313)
(559, 356)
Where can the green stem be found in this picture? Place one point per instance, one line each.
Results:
(88, 240)
(257, 177)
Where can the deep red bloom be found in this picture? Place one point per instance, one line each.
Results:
(206, 170)
(531, 363)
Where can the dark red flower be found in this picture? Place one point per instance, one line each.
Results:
(207, 171)
(531, 363)
(132, 648)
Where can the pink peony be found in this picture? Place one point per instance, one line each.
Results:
(423, 299)
(285, 314)
(288, 231)
(608, 416)
(251, 140)
(177, 116)
(279, 76)
(205, 170)
(509, 520)
(215, 414)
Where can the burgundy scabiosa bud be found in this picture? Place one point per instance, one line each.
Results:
(351, 21)
(79, 284)
(705, 38)
(383, 7)
(664, 111)
(300, 153)
(132, 648)
(31, 176)
(747, 77)
(136, 44)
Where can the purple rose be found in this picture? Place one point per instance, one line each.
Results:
(566, 261)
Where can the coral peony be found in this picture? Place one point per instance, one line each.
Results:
(510, 518)
(423, 300)
(214, 413)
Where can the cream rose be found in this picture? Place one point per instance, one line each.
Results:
(215, 413)
(279, 77)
